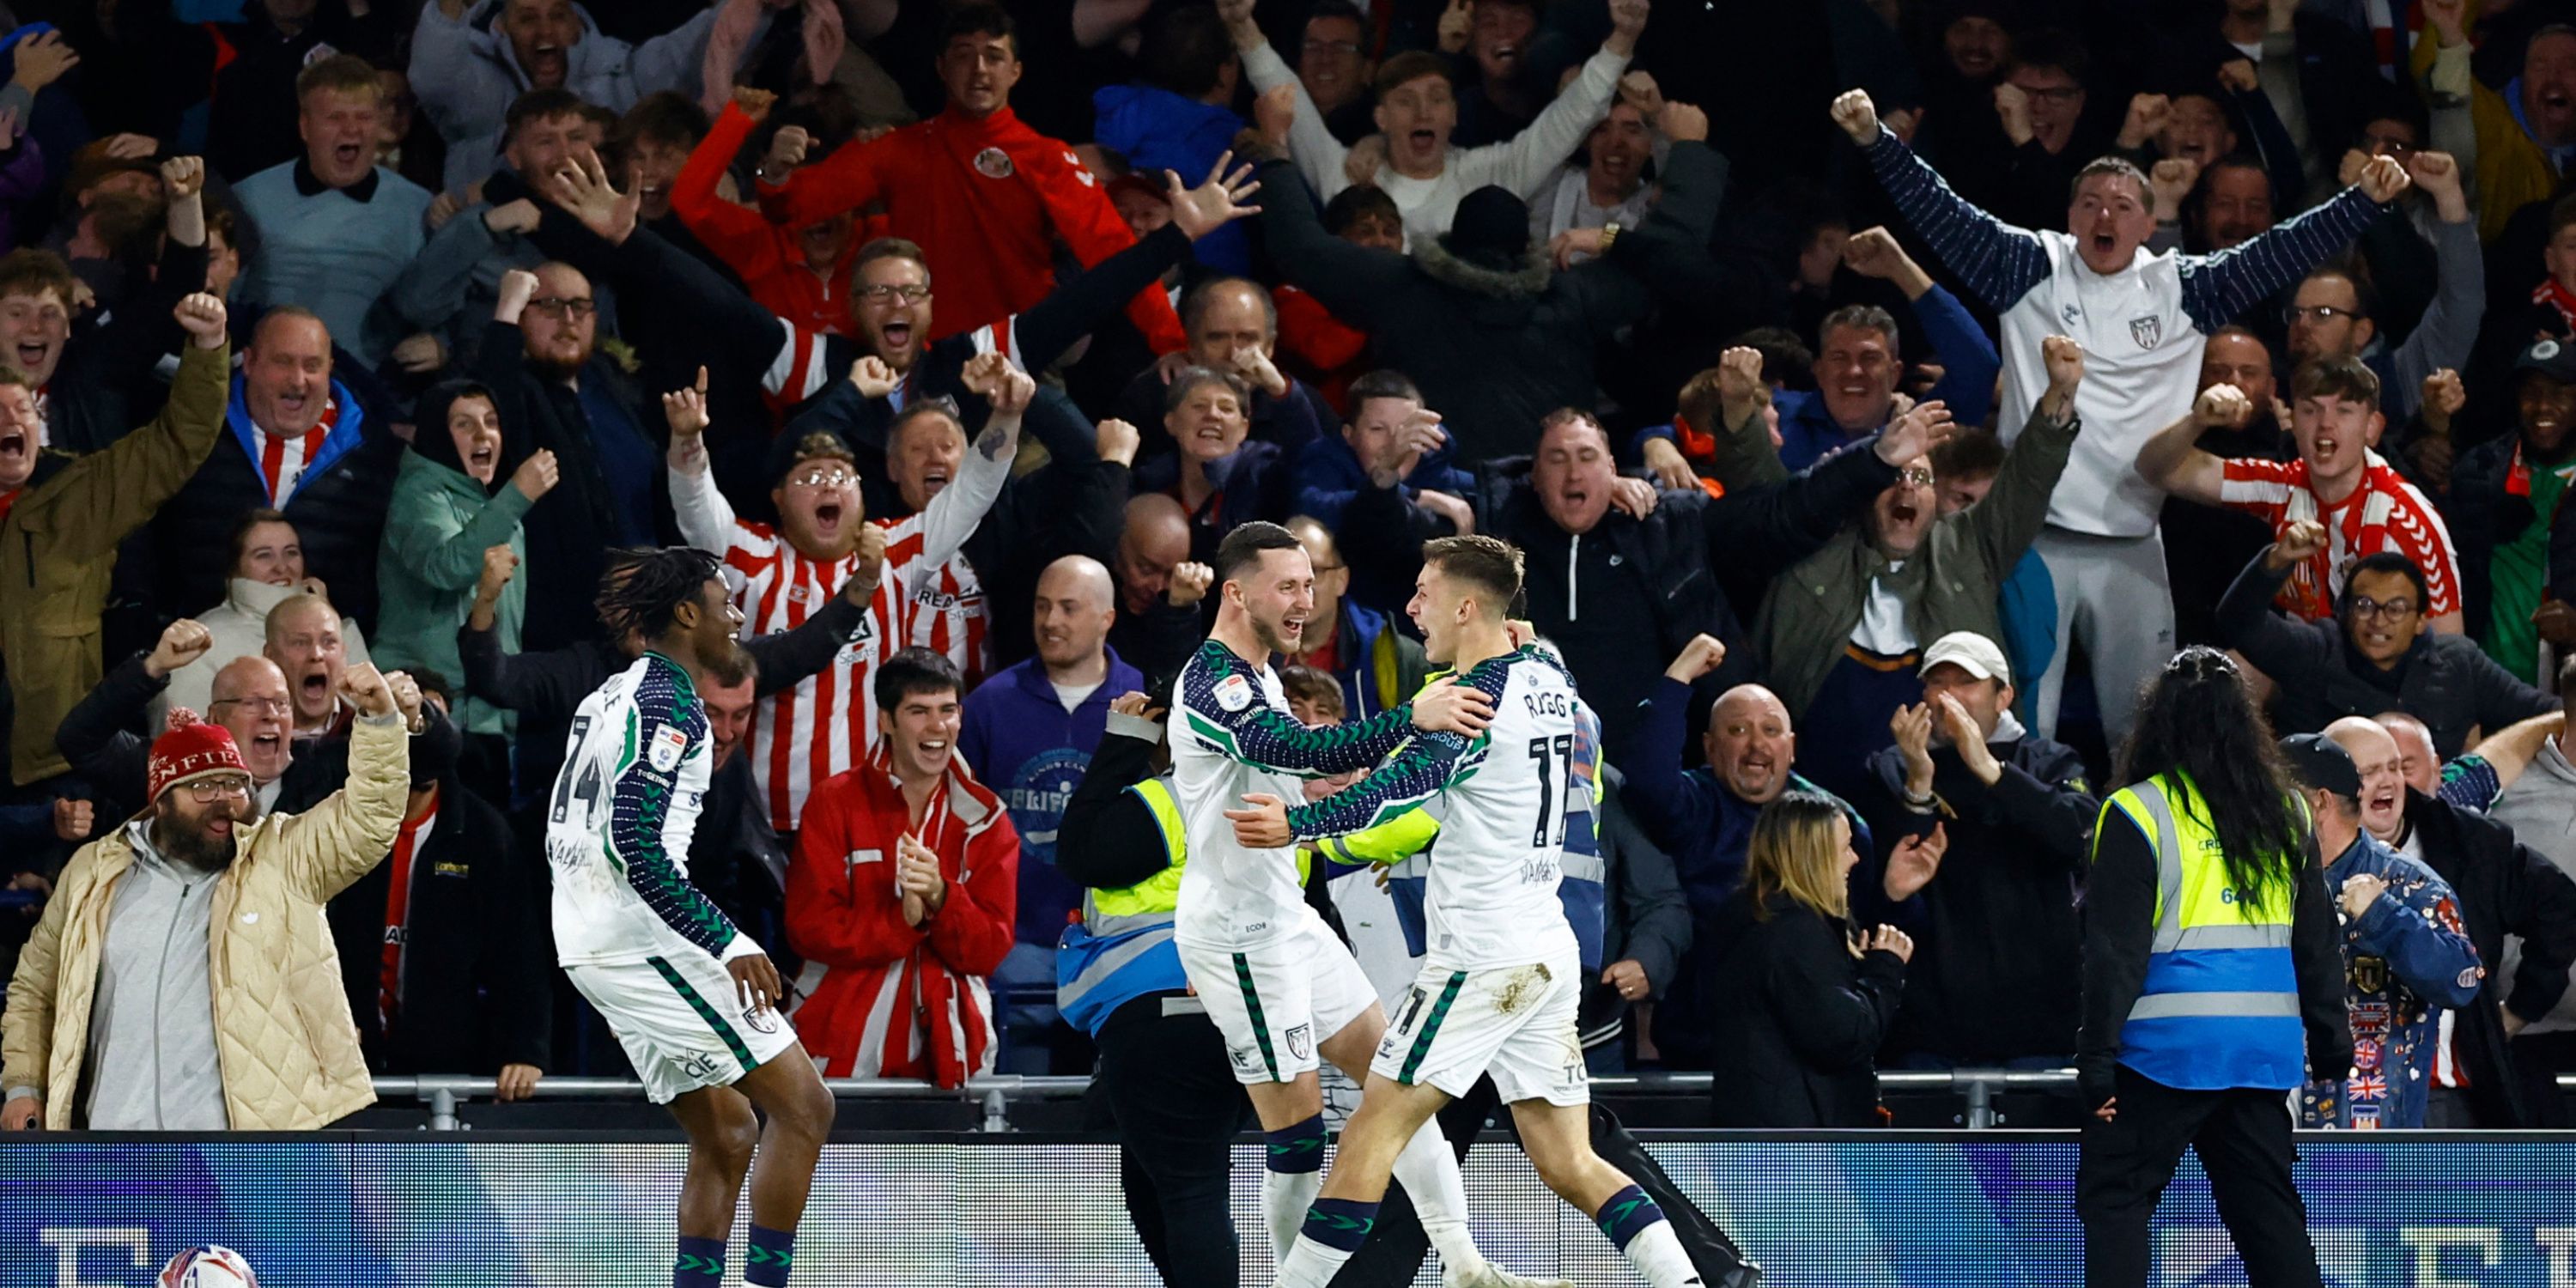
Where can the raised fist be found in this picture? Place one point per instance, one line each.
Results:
(787, 150)
(873, 377)
(754, 101)
(182, 642)
(2064, 359)
(518, 286)
(2382, 178)
(366, 690)
(500, 563)
(1699, 657)
(2298, 543)
(2222, 406)
(202, 316)
(2147, 116)
(1857, 115)
(2170, 182)
(1682, 123)
(185, 177)
(536, 475)
(1873, 252)
(1190, 582)
(1116, 440)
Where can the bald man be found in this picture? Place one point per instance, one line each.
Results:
(1703, 815)
(1377, 666)
(2504, 889)
(1028, 732)
(1159, 591)
(2475, 778)
(251, 701)
(304, 641)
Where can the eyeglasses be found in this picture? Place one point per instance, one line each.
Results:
(2315, 313)
(822, 478)
(2395, 609)
(560, 306)
(1916, 475)
(882, 294)
(258, 706)
(206, 791)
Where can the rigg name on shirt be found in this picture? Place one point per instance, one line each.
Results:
(1552, 702)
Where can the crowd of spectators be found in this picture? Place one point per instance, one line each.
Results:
(1868, 450)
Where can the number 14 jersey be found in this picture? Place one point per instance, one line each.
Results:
(618, 825)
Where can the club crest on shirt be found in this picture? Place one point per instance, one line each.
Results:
(800, 594)
(1234, 693)
(993, 163)
(668, 745)
(2147, 331)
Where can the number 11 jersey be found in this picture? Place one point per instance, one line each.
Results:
(618, 825)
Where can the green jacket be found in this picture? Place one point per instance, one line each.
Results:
(59, 547)
(1952, 582)
(437, 527)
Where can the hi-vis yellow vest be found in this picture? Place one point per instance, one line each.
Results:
(2221, 1003)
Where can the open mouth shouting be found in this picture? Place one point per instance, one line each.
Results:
(17, 450)
(313, 690)
(546, 64)
(33, 354)
(827, 520)
(933, 478)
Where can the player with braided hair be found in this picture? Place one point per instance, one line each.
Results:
(692, 999)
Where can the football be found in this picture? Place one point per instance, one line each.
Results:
(212, 1266)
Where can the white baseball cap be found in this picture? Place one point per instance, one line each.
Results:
(1970, 652)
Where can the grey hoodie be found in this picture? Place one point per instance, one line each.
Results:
(152, 1064)
(2541, 809)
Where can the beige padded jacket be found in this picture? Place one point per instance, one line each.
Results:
(285, 1042)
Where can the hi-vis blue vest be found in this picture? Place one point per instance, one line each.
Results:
(2221, 1004)
(1122, 949)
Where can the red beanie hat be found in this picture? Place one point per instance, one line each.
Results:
(192, 749)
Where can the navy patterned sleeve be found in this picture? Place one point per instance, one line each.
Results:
(1397, 787)
(2215, 288)
(640, 808)
(1997, 261)
(1222, 704)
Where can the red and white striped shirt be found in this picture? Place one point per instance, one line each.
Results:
(827, 723)
(2384, 513)
(282, 457)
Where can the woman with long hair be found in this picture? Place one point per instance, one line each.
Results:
(2212, 983)
(1796, 999)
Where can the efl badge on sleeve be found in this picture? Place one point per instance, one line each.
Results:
(669, 744)
(1234, 693)
(993, 163)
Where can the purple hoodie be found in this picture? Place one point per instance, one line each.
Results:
(1022, 743)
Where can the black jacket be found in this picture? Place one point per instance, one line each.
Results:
(100, 738)
(1793, 1017)
(571, 528)
(2482, 515)
(1493, 351)
(1621, 600)
(2504, 889)
(339, 516)
(1999, 921)
(2444, 680)
(478, 953)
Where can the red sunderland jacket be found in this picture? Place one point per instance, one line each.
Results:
(985, 198)
(879, 998)
(769, 256)
(1327, 352)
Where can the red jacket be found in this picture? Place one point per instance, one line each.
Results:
(878, 998)
(1325, 351)
(770, 257)
(986, 199)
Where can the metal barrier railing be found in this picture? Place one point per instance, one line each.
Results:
(442, 1093)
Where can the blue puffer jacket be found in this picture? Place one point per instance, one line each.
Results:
(1158, 130)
